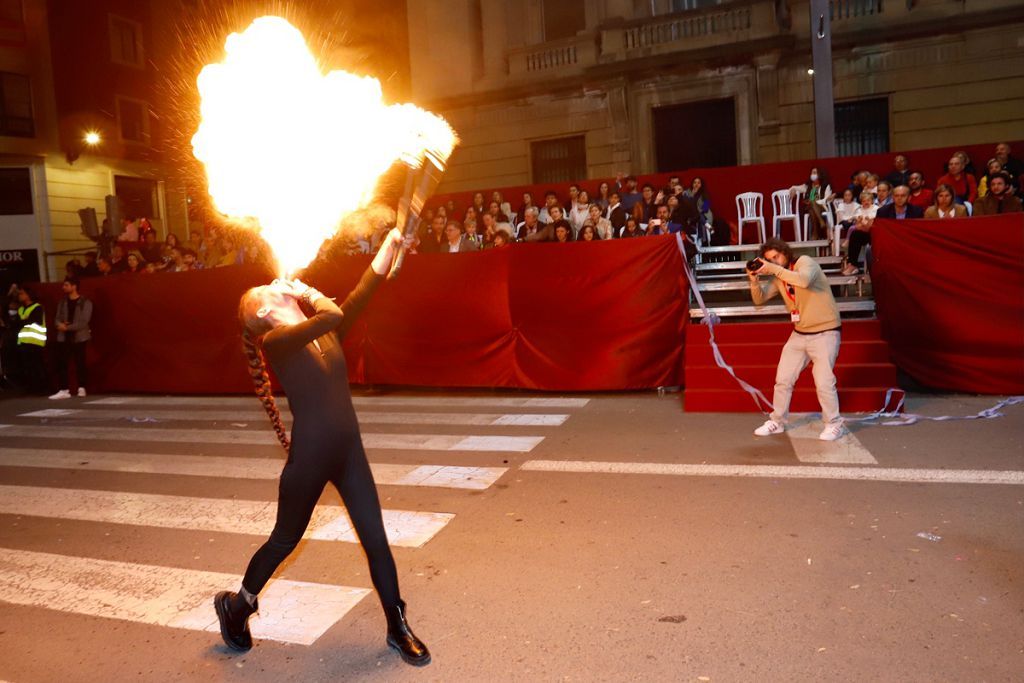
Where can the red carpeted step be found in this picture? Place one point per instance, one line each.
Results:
(748, 333)
(850, 352)
(851, 400)
(847, 375)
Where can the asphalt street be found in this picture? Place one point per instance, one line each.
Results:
(605, 537)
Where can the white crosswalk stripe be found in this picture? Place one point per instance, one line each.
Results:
(428, 442)
(405, 528)
(444, 476)
(258, 416)
(415, 401)
(290, 611)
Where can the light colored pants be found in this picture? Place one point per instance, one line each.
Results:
(821, 349)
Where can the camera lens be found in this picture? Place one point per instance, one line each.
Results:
(754, 264)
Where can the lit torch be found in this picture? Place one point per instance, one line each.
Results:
(296, 149)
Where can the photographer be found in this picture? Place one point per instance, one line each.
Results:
(812, 309)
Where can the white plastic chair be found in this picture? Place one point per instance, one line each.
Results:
(750, 209)
(784, 208)
(826, 214)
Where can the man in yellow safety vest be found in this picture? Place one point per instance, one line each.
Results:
(32, 341)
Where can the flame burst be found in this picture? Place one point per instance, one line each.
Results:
(294, 148)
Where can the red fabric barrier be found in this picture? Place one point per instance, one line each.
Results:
(576, 317)
(950, 295)
(723, 184)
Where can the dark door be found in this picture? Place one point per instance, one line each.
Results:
(695, 135)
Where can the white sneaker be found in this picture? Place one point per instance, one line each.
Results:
(769, 428)
(831, 432)
(62, 394)
(81, 392)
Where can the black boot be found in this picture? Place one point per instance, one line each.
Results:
(401, 637)
(234, 611)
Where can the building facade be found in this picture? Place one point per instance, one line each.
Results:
(551, 90)
(70, 69)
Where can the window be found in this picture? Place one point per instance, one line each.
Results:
(16, 106)
(15, 192)
(862, 127)
(561, 160)
(563, 18)
(11, 12)
(137, 197)
(126, 42)
(133, 120)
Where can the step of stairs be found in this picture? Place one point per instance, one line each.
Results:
(864, 371)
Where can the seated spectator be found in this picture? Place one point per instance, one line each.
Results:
(134, 262)
(817, 194)
(490, 226)
(530, 224)
(431, 242)
(628, 194)
(1011, 165)
(170, 243)
(991, 168)
(884, 194)
(659, 224)
(899, 175)
(117, 260)
(103, 266)
(177, 262)
(871, 183)
(920, 196)
(228, 251)
(151, 250)
(494, 208)
(965, 187)
(998, 199)
(615, 213)
(588, 233)
(90, 269)
(501, 238)
(900, 208)
(563, 231)
(145, 227)
(846, 210)
(864, 218)
(857, 182)
(604, 193)
(698, 193)
(72, 268)
(945, 204)
(574, 192)
(647, 203)
(149, 268)
(602, 226)
(550, 200)
(478, 203)
(471, 234)
(454, 242)
(555, 214)
(470, 215)
(580, 211)
(196, 243)
(191, 260)
(521, 211)
(450, 209)
(631, 228)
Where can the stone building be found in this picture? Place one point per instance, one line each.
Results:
(549, 90)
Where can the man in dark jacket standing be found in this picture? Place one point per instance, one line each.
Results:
(73, 315)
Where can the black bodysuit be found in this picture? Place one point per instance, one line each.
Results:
(326, 445)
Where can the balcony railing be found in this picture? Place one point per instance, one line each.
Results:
(737, 22)
(570, 54)
(672, 30)
(849, 9)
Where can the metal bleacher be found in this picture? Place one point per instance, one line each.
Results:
(721, 278)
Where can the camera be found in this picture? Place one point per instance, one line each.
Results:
(754, 264)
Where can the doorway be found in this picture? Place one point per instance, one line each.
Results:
(695, 135)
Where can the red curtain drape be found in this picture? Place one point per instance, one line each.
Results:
(950, 295)
(577, 317)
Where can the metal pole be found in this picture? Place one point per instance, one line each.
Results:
(821, 62)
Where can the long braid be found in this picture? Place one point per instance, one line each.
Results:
(261, 380)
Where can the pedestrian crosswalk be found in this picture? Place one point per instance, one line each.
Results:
(113, 436)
